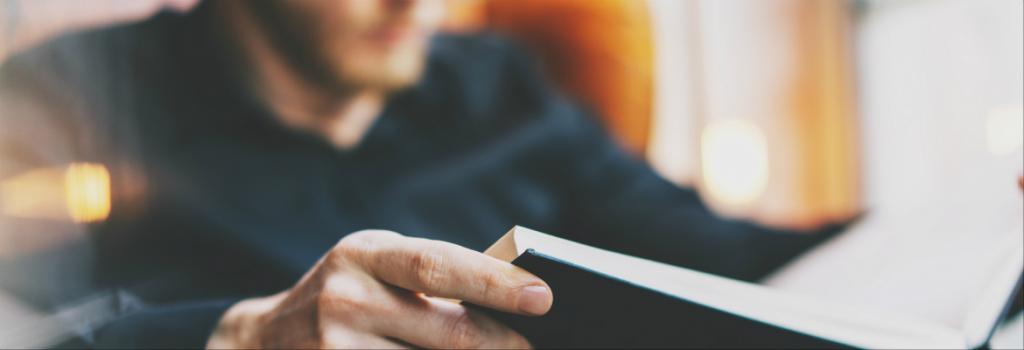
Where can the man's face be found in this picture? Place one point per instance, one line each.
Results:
(378, 44)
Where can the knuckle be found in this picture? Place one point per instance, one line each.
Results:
(336, 338)
(428, 268)
(357, 244)
(343, 295)
(491, 284)
(336, 257)
(347, 247)
(463, 334)
(365, 237)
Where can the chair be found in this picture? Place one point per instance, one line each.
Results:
(599, 51)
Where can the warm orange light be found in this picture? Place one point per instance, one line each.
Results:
(35, 194)
(78, 192)
(87, 188)
(734, 161)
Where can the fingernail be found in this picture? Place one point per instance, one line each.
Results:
(535, 300)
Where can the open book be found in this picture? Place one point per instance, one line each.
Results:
(606, 299)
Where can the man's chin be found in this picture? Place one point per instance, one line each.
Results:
(398, 82)
(386, 79)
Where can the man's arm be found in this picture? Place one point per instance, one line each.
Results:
(369, 291)
(39, 135)
(609, 199)
(180, 325)
(618, 202)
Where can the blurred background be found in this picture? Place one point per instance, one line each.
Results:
(788, 112)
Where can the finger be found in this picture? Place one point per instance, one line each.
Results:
(410, 318)
(181, 5)
(440, 324)
(343, 338)
(449, 271)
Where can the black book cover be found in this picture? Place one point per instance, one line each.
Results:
(595, 310)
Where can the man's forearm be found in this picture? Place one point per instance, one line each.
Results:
(182, 325)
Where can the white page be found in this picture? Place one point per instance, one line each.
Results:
(988, 304)
(932, 263)
(938, 197)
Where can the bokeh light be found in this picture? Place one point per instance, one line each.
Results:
(78, 192)
(734, 161)
(87, 187)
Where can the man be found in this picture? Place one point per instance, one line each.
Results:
(255, 144)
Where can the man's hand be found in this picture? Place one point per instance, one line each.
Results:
(377, 289)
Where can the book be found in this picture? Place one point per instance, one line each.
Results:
(607, 299)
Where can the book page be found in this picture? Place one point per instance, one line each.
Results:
(931, 263)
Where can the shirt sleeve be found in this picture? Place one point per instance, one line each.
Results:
(48, 277)
(44, 128)
(613, 200)
(618, 202)
(180, 325)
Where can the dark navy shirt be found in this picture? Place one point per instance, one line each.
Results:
(214, 200)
